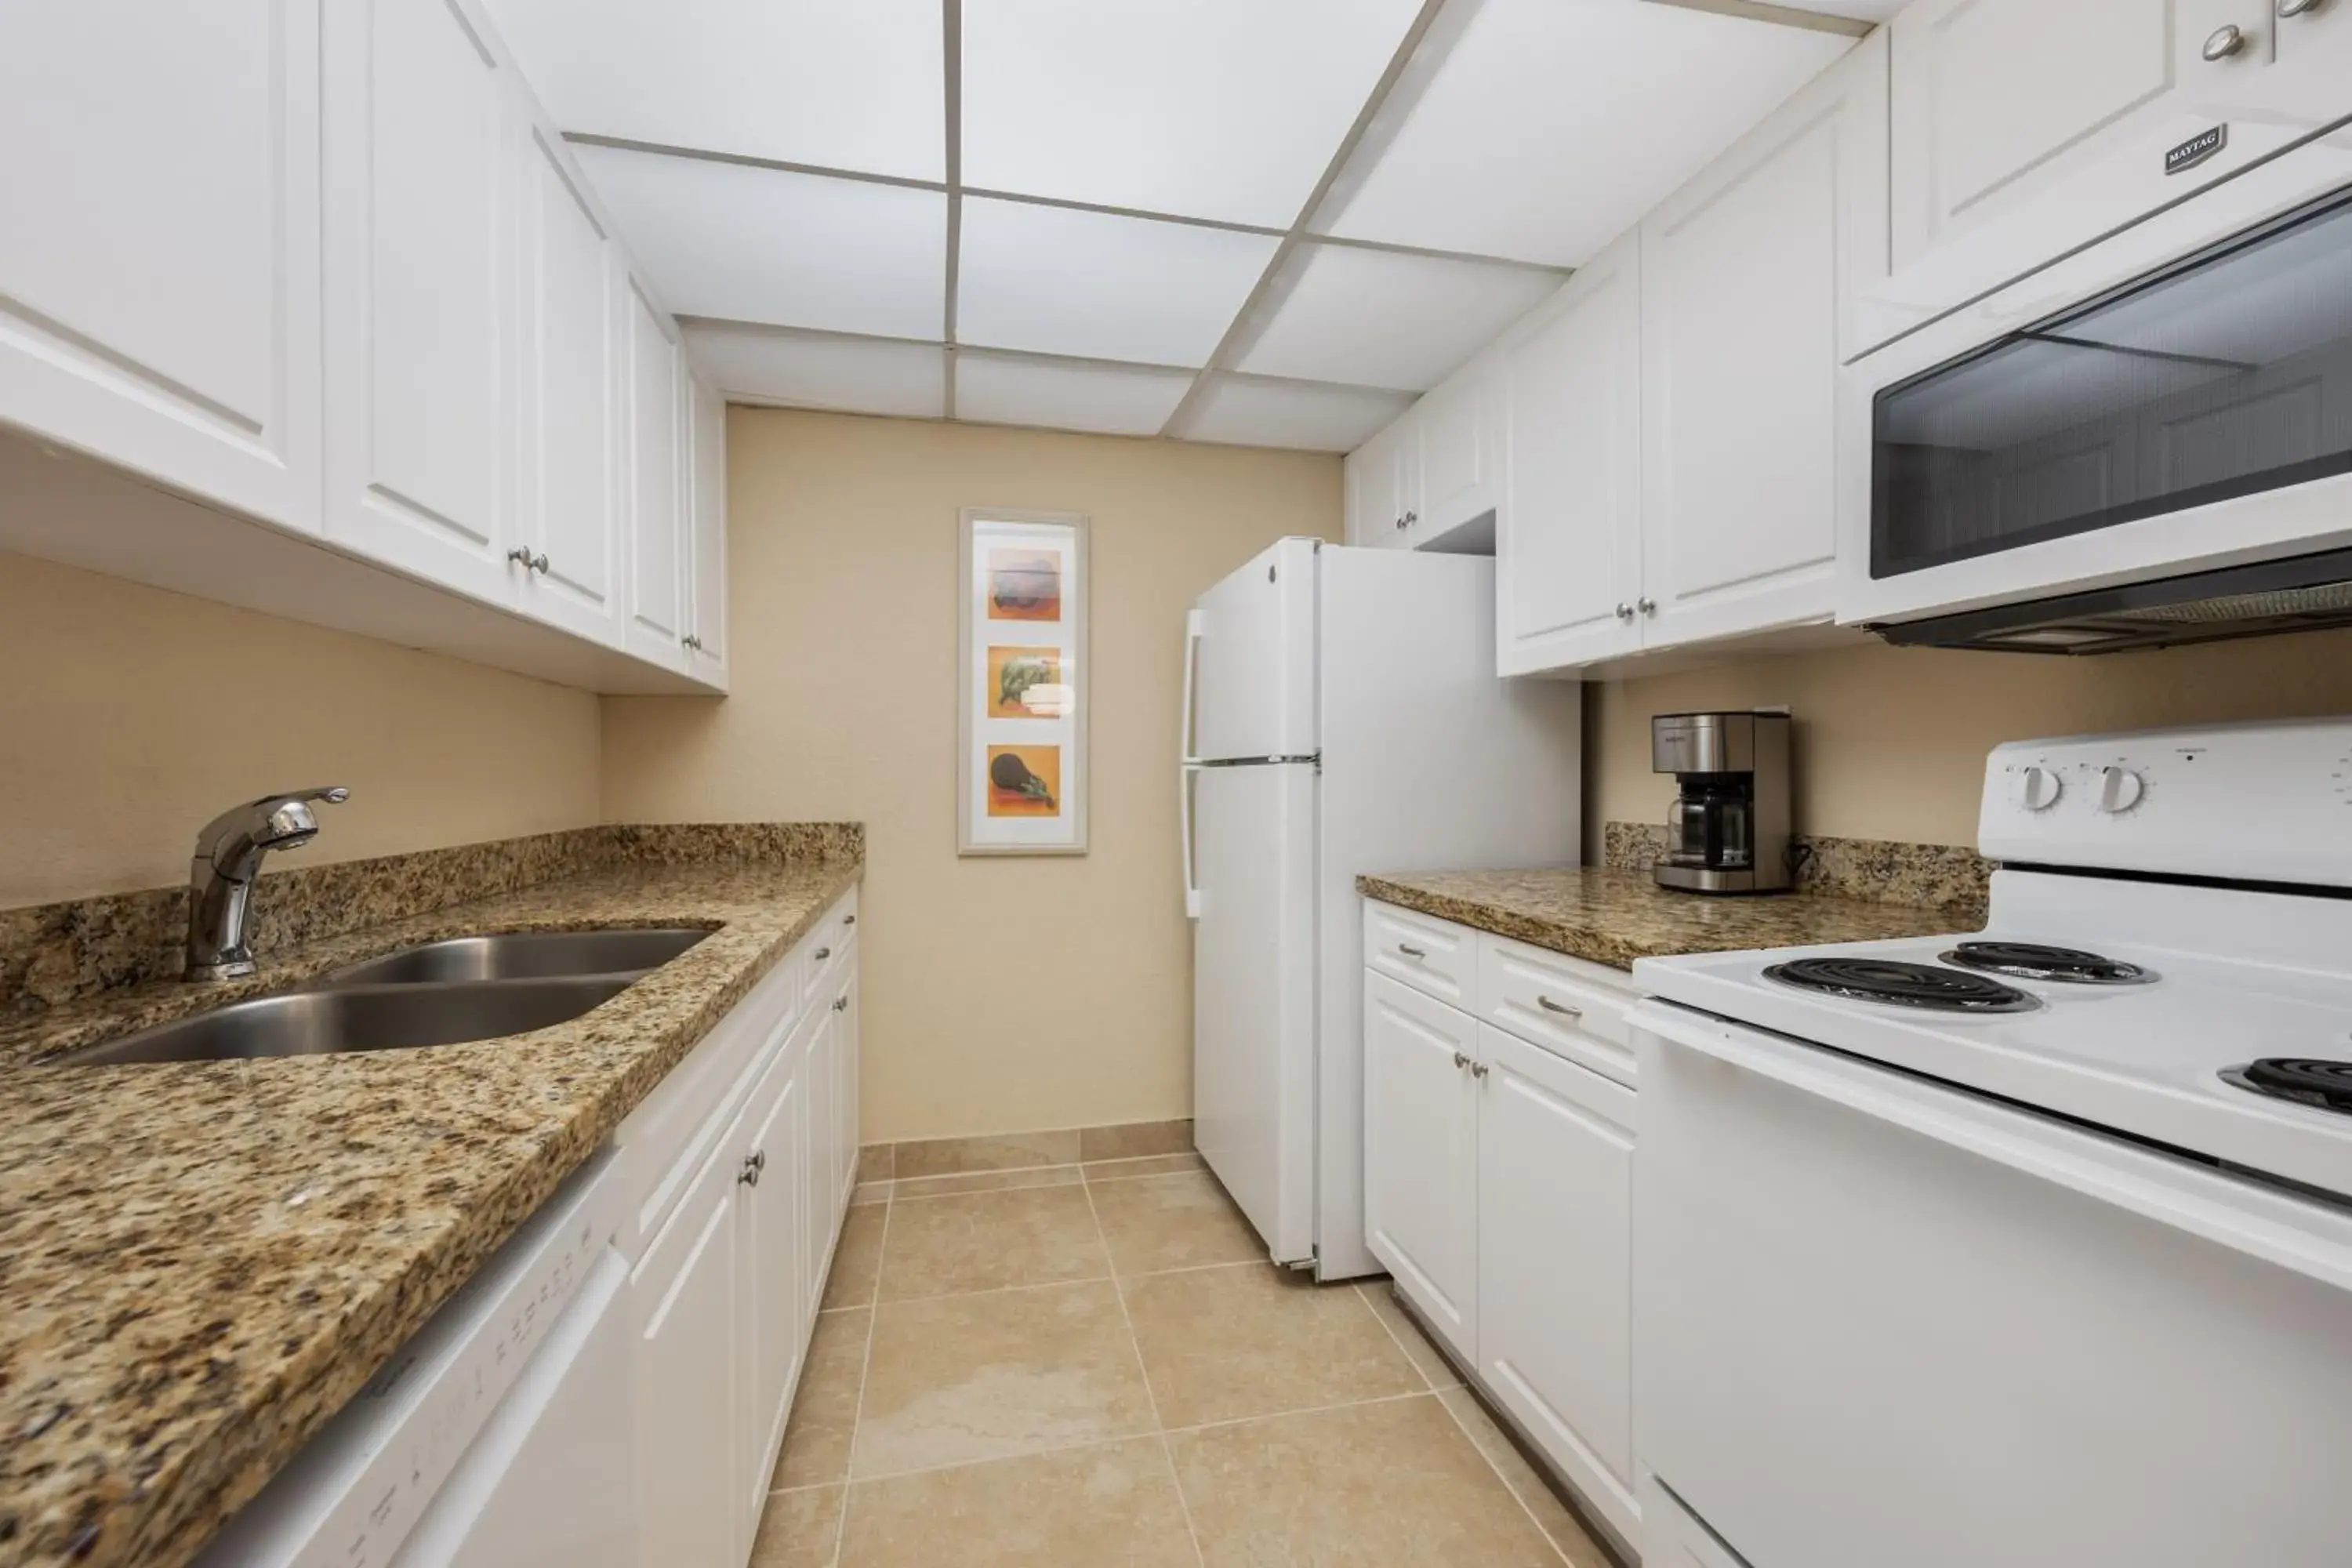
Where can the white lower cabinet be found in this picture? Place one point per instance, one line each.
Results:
(1421, 1140)
(1498, 1178)
(725, 1292)
(1555, 1260)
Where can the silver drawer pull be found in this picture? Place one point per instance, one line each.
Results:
(849, 920)
(1562, 1008)
(823, 953)
(1409, 950)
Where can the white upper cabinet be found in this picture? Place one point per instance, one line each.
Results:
(1748, 274)
(1568, 535)
(1461, 449)
(159, 242)
(657, 404)
(420, 291)
(2022, 129)
(1378, 474)
(705, 642)
(571, 468)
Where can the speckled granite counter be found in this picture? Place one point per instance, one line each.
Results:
(1616, 917)
(201, 1262)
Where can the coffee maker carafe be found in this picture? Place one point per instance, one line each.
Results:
(1728, 830)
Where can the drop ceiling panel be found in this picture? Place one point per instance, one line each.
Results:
(760, 245)
(1551, 126)
(1253, 413)
(1380, 319)
(863, 377)
(1221, 108)
(849, 84)
(1115, 400)
(1057, 281)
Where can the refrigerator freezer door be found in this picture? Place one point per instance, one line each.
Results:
(1254, 995)
(1254, 660)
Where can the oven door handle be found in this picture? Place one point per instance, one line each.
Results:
(2242, 1216)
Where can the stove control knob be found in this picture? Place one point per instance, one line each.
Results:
(2119, 790)
(2038, 789)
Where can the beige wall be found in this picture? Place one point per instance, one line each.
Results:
(1000, 994)
(1890, 743)
(129, 716)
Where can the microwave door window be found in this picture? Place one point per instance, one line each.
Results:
(2227, 375)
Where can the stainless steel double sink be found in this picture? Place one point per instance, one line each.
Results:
(439, 993)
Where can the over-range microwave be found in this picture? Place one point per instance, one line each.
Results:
(2148, 442)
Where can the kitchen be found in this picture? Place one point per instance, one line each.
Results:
(706, 1048)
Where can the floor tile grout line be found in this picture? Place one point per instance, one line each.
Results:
(1304, 1410)
(1480, 1449)
(1396, 1339)
(1111, 1277)
(864, 1376)
(1150, 1396)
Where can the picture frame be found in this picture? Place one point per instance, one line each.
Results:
(1023, 682)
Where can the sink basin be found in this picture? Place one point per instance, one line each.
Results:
(359, 1019)
(522, 955)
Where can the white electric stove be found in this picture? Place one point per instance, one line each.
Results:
(2031, 1245)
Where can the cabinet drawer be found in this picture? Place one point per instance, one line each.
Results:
(664, 1139)
(1569, 1006)
(1435, 957)
(826, 947)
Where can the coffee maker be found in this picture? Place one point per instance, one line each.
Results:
(1727, 831)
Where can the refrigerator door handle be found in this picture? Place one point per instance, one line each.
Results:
(1186, 774)
(1192, 627)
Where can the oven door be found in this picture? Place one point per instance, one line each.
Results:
(1882, 1321)
(2174, 397)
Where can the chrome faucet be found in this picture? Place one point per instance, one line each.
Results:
(220, 875)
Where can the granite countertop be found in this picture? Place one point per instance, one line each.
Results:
(201, 1262)
(1615, 917)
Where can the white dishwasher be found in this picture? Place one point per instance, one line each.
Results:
(499, 1436)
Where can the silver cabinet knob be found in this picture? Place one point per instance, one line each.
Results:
(1460, 1061)
(1624, 611)
(1646, 605)
(1478, 1069)
(749, 1174)
(520, 555)
(2290, 8)
(1410, 518)
(2224, 42)
(691, 640)
(841, 1004)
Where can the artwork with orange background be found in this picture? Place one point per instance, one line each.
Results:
(1024, 780)
(1013, 671)
(1024, 585)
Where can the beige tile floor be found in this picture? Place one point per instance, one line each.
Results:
(1095, 1365)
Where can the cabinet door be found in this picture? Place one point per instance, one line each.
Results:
(159, 242)
(844, 1100)
(1375, 509)
(1749, 274)
(1420, 1163)
(655, 553)
(689, 1462)
(1672, 1537)
(571, 465)
(1555, 1262)
(1567, 534)
(2022, 129)
(1460, 450)
(818, 1179)
(420, 290)
(774, 1294)
(706, 535)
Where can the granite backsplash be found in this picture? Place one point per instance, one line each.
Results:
(1951, 876)
(51, 954)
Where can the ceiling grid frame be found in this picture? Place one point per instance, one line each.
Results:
(1420, 52)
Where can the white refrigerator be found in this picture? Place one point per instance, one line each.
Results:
(1341, 715)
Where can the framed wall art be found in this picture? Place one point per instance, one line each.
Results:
(1021, 695)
